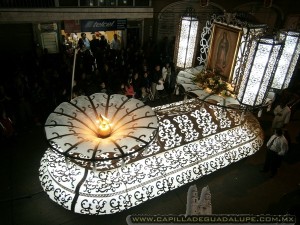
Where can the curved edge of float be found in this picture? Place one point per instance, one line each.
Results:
(85, 191)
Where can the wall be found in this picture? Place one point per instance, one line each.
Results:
(16, 38)
(163, 18)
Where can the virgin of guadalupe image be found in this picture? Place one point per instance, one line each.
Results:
(222, 52)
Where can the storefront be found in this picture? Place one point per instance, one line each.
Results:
(54, 34)
(106, 27)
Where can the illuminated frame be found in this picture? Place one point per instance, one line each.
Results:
(250, 32)
(258, 74)
(288, 60)
(186, 40)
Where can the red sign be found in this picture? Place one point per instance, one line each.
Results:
(72, 26)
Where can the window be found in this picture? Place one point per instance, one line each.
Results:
(125, 2)
(142, 3)
(68, 3)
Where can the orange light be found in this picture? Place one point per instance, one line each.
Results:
(104, 127)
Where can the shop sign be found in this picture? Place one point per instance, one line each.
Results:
(47, 27)
(103, 25)
(72, 26)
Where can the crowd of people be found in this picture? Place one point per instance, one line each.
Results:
(39, 83)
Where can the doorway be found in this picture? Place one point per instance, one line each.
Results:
(133, 37)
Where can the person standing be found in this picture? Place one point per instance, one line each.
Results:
(145, 81)
(277, 147)
(84, 41)
(166, 74)
(136, 83)
(282, 114)
(115, 47)
(103, 44)
(129, 90)
(95, 45)
(154, 79)
(115, 43)
(144, 97)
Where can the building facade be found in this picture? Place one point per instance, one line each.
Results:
(24, 26)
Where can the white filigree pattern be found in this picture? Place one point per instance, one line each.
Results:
(204, 121)
(289, 56)
(168, 134)
(159, 168)
(221, 115)
(186, 128)
(259, 71)
(73, 130)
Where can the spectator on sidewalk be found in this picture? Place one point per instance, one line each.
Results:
(277, 147)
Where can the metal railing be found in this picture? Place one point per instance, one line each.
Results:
(73, 3)
(27, 3)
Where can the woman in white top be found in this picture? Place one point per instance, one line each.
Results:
(282, 114)
(166, 74)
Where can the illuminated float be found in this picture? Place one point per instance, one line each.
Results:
(146, 152)
(108, 153)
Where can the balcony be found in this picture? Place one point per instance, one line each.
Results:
(73, 3)
(15, 11)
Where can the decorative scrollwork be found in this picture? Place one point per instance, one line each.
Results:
(163, 166)
(86, 207)
(177, 159)
(62, 197)
(155, 166)
(99, 206)
(162, 186)
(168, 134)
(72, 128)
(204, 121)
(186, 128)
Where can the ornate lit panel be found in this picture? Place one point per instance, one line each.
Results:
(249, 33)
(75, 129)
(194, 139)
(259, 71)
(187, 37)
(288, 60)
